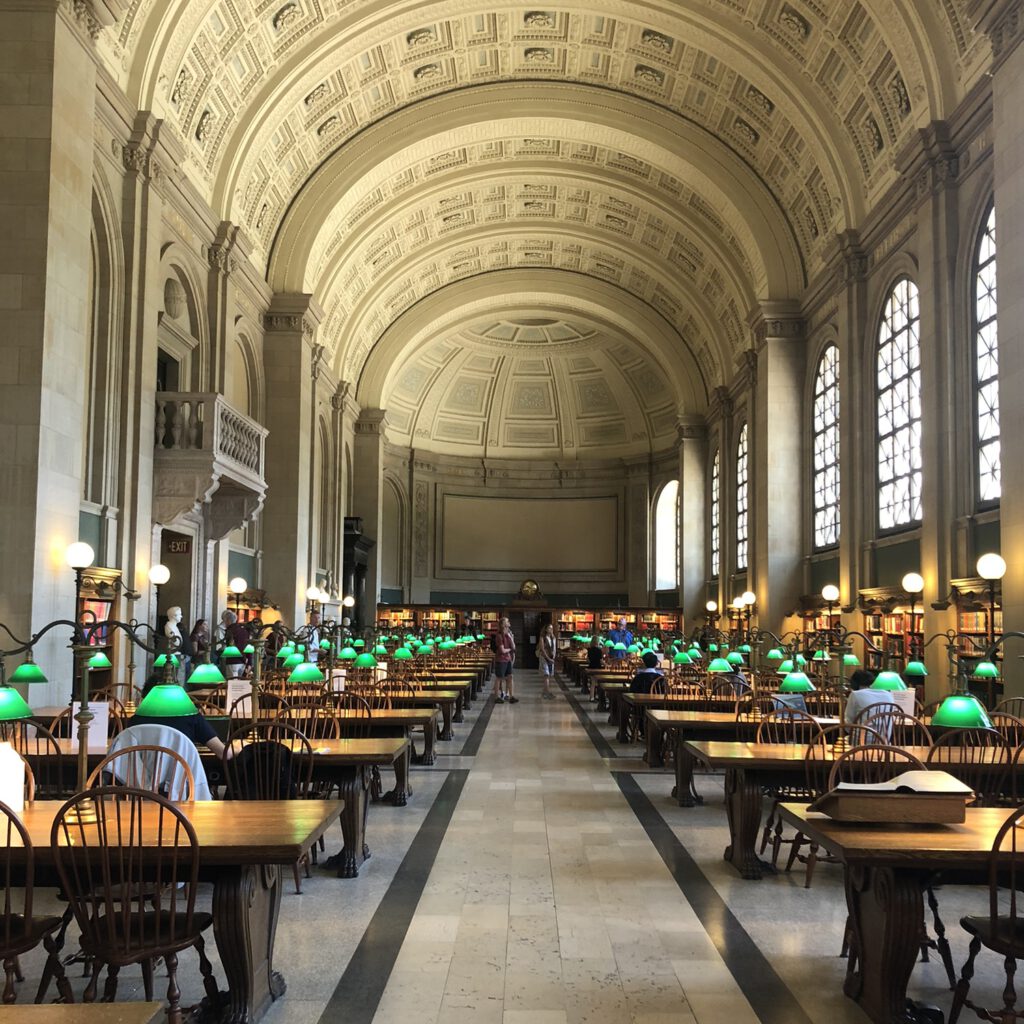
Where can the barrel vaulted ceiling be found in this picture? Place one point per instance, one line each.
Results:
(692, 157)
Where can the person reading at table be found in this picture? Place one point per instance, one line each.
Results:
(862, 696)
(194, 725)
(647, 676)
(595, 653)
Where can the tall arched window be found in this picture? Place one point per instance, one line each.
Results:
(666, 537)
(825, 427)
(716, 514)
(742, 495)
(986, 364)
(899, 409)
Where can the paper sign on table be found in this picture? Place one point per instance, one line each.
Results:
(239, 688)
(338, 680)
(98, 742)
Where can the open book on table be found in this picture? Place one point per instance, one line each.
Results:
(923, 783)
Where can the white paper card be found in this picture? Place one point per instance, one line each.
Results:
(905, 700)
(380, 673)
(338, 680)
(239, 688)
(98, 741)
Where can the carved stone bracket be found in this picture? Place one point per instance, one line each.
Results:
(691, 429)
(853, 260)
(930, 160)
(371, 421)
(1002, 21)
(721, 405)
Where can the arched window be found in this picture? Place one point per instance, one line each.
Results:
(899, 409)
(742, 477)
(716, 514)
(825, 426)
(986, 364)
(666, 537)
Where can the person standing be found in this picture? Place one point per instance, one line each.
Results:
(620, 635)
(200, 637)
(504, 657)
(546, 650)
(313, 640)
(235, 634)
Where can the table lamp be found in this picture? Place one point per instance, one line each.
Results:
(796, 682)
(205, 674)
(719, 665)
(166, 700)
(366, 660)
(306, 672)
(888, 680)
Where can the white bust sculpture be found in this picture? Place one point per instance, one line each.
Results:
(171, 630)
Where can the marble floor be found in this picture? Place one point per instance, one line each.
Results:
(520, 886)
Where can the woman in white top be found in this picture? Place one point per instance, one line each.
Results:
(546, 657)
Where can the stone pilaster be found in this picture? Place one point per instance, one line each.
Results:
(693, 517)
(289, 345)
(421, 487)
(777, 472)
(47, 57)
(222, 261)
(1005, 24)
(368, 473)
(638, 533)
(720, 437)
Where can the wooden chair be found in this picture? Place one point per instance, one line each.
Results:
(52, 770)
(20, 931)
(150, 768)
(132, 898)
(241, 707)
(898, 728)
(1002, 929)
(314, 724)
(785, 725)
(271, 761)
(754, 709)
(730, 688)
(1010, 727)
(979, 758)
(1011, 706)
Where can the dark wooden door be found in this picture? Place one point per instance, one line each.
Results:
(526, 629)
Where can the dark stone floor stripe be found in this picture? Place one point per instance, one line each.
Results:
(357, 996)
(768, 995)
(604, 748)
(472, 745)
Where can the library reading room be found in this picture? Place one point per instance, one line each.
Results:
(502, 511)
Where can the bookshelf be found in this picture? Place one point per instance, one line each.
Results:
(396, 618)
(897, 633)
(570, 621)
(609, 618)
(659, 622)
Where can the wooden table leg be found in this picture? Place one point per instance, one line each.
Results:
(623, 714)
(655, 737)
(246, 905)
(398, 796)
(458, 708)
(429, 732)
(743, 809)
(354, 787)
(446, 721)
(602, 700)
(684, 790)
(886, 910)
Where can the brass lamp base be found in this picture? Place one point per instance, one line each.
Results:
(841, 745)
(83, 813)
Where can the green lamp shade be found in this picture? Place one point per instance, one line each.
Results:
(713, 648)
(166, 701)
(205, 674)
(12, 705)
(734, 658)
(358, 643)
(447, 645)
(425, 649)
(231, 651)
(681, 658)
(888, 680)
(366, 660)
(301, 648)
(380, 649)
(285, 652)
(325, 644)
(100, 660)
(774, 655)
(695, 655)
(915, 668)
(348, 654)
(479, 636)
(796, 682)
(609, 643)
(694, 645)
(851, 660)
(744, 648)
(293, 661)
(985, 670)
(821, 656)
(961, 711)
(620, 646)
(248, 649)
(719, 665)
(633, 648)
(785, 667)
(30, 672)
(306, 672)
(402, 654)
(158, 662)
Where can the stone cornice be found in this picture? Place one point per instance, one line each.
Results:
(372, 421)
(691, 428)
(1002, 21)
(930, 160)
(293, 312)
(776, 320)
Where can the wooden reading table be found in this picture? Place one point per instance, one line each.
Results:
(243, 845)
(887, 868)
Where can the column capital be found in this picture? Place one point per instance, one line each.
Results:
(90, 17)
(930, 160)
(851, 257)
(293, 312)
(221, 254)
(372, 421)
(721, 403)
(1002, 21)
(690, 428)
(775, 320)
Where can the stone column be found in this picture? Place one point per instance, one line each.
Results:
(46, 137)
(421, 526)
(288, 359)
(693, 513)
(930, 161)
(856, 387)
(220, 305)
(1004, 23)
(340, 410)
(638, 530)
(777, 507)
(721, 438)
(368, 473)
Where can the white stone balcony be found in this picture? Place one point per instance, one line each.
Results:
(208, 461)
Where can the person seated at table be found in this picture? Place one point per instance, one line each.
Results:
(646, 677)
(862, 696)
(595, 653)
(195, 727)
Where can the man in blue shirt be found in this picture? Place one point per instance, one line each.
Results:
(620, 635)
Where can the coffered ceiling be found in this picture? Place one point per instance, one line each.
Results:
(699, 156)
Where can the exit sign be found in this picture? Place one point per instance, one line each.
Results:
(180, 547)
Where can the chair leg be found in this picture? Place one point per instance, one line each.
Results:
(777, 840)
(110, 988)
(54, 968)
(1009, 993)
(206, 970)
(89, 995)
(812, 862)
(18, 976)
(767, 833)
(794, 851)
(941, 942)
(298, 880)
(147, 979)
(9, 994)
(962, 986)
(174, 1015)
